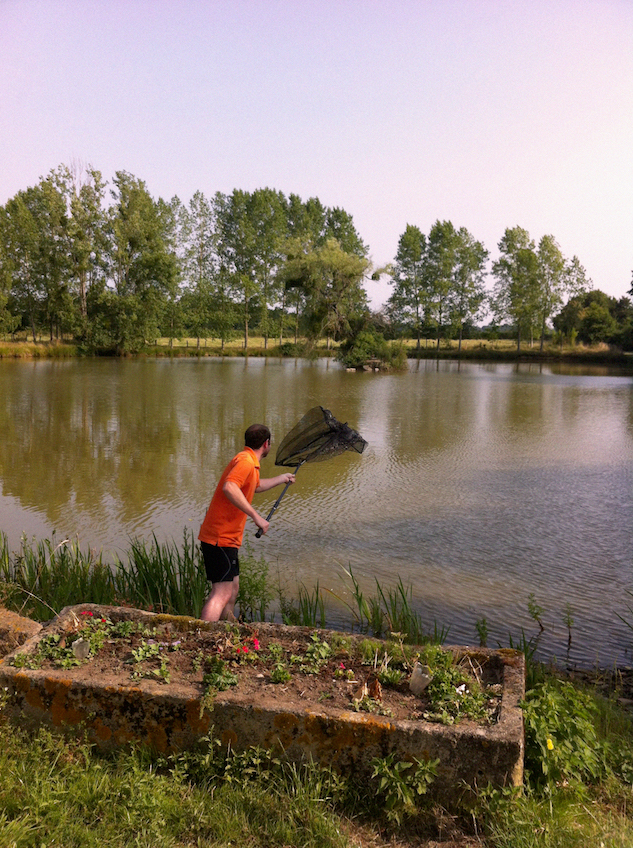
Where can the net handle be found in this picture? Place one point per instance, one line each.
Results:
(259, 533)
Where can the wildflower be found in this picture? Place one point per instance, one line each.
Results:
(256, 644)
(87, 612)
(550, 744)
(342, 666)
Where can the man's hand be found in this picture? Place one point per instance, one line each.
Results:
(261, 523)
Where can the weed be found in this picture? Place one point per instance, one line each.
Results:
(218, 676)
(482, 631)
(401, 783)
(279, 673)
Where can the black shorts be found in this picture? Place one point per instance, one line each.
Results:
(220, 564)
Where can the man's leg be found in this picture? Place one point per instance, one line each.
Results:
(221, 602)
(222, 568)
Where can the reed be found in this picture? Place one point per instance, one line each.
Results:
(43, 577)
(163, 577)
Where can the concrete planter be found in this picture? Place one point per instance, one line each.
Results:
(170, 718)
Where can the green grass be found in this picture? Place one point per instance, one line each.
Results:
(58, 791)
(579, 744)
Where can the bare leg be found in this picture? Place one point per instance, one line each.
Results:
(221, 602)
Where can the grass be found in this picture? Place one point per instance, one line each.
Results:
(475, 349)
(37, 350)
(579, 743)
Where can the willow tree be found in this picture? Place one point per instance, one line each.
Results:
(331, 280)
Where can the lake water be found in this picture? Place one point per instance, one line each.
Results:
(481, 485)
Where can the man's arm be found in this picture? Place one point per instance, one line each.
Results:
(271, 482)
(236, 496)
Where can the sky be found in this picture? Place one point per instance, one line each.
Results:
(487, 113)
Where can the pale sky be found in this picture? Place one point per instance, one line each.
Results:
(487, 113)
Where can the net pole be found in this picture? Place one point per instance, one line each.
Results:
(259, 533)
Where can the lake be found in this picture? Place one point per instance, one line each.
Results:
(482, 484)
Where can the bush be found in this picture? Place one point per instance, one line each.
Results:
(369, 345)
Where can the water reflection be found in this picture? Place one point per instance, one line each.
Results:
(481, 484)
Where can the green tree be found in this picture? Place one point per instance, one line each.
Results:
(332, 282)
(558, 279)
(35, 256)
(84, 191)
(19, 259)
(408, 300)
(468, 293)
(236, 248)
(517, 287)
(439, 271)
(339, 225)
(591, 318)
(199, 264)
(144, 267)
(268, 220)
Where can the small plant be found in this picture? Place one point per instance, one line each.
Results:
(535, 611)
(145, 651)
(561, 742)
(316, 655)
(454, 693)
(400, 784)
(162, 672)
(342, 673)
(390, 676)
(482, 631)
(568, 618)
(370, 705)
(218, 675)
(279, 673)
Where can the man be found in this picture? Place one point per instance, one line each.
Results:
(223, 526)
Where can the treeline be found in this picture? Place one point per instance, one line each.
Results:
(115, 269)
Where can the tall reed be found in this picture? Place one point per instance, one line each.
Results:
(41, 578)
(163, 577)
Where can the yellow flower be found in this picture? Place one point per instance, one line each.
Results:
(550, 744)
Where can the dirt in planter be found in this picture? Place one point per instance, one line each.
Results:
(267, 666)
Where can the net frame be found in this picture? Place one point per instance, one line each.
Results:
(317, 436)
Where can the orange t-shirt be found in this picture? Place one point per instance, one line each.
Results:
(224, 523)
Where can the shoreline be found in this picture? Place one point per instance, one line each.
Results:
(483, 352)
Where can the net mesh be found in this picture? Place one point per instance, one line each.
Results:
(318, 436)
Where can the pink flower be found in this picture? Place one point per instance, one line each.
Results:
(245, 649)
(342, 665)
(256, 644)
(87, 612)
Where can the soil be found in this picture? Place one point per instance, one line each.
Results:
(186, 662)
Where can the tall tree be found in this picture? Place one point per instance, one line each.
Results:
(439, 270)
(468, 292)
(20, 236)
(144, 266)
(408, 300)
(84, 191)
(339, 225)
(236, 247)
(268, 220)
(517, 286)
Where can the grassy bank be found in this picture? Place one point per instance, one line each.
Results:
(501, 350)
(578, 788)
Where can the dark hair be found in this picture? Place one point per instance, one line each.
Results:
(256, 435)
